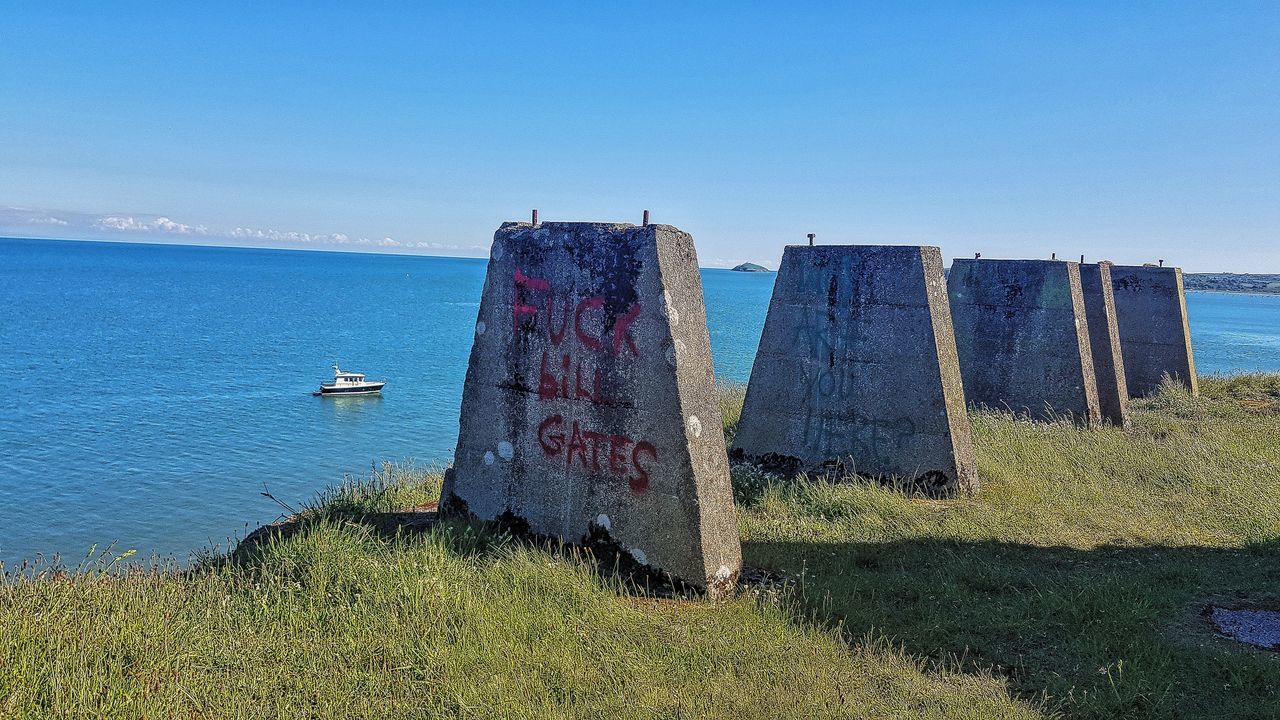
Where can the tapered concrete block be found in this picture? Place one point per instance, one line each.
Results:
(1151, 313)
(1023, 338)
(1104, 341)
(857, 370)
(590, 411)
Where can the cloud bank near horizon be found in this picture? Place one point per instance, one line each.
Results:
(72, 225)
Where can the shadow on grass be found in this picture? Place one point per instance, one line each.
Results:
(472, 539)
(1104, 632)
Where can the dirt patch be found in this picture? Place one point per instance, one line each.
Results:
(413, 519)
(1258, 405)
(752, 581)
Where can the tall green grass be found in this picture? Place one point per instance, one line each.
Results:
(347, 620)
(1079, 570)
(1070, 585)
(339, 622)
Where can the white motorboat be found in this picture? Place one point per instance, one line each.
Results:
(346, 382)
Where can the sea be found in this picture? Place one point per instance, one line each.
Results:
(158, 397)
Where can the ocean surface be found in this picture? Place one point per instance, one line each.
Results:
(154, 391)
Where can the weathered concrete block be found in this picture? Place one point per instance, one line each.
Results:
(1151, 312)
(1104, 341)
(590, 410)
(857, 370)
(1023, 338)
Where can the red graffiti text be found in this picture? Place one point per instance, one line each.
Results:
(534, 298)
(597, 452)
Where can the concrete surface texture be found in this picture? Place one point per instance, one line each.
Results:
(1022, 337)
(1151, 312)
(590, 411)
(1104, 341)
(857, 370)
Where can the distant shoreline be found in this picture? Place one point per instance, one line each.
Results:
(1193, 282)
(1235, 283)
(1217, 291)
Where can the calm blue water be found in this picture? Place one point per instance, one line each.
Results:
(153, 390)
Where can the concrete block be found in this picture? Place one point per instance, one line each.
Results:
(1151, 312)
(1104, 341)
(1023, 338)
(589, 411)
(857, 370)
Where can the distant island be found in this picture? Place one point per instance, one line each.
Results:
(1232, 282)
(751, 267)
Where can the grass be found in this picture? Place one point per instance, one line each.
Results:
(1071, 585)
(1079, 570)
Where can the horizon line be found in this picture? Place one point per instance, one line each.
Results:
(459, 257)
(281, 249)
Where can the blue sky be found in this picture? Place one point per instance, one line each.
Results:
(1131, 131)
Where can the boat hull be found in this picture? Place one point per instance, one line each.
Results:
(368, 389)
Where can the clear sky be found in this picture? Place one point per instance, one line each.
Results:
(1123, 130)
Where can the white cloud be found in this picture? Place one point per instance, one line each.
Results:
(158, 224)
(139, 226)
(28, 216)
(444, 246)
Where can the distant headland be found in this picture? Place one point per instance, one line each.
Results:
(1233, 282)
(751, 267)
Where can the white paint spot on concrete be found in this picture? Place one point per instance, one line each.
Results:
(481, 327)
(672, 313)
(724, 573)
(488, 457)
(505, 451)
(673, 352)
(602, 521)
(639, 556)
(694, 425)
(497, 251)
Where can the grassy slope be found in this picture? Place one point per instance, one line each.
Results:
(340, 622)
(1070, 584)
(1080, 567)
